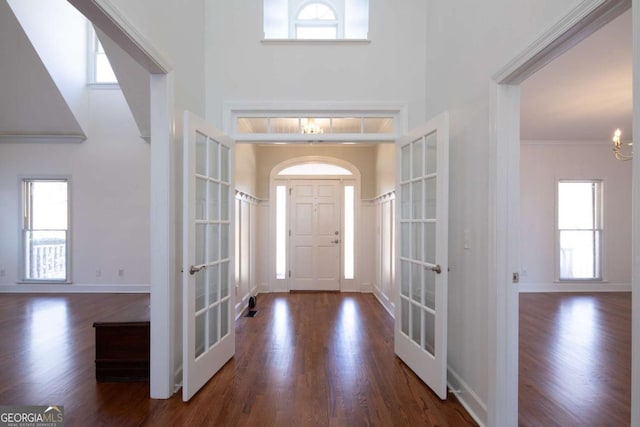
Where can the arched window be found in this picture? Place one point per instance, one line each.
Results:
(316, 21)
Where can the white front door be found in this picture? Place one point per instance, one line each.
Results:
(315, 235)
(208, 294)
(422, 242)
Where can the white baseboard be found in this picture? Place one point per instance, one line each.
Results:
(386, 303)
(574, 287)
(467, 397)
(72, 288)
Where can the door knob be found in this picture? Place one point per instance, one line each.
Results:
(195, 269)
(437, 269)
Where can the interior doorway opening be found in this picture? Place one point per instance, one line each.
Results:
(506, 222)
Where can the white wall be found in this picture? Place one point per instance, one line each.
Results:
(245, 168)
(109, 175)
(362, 157)
(542, 164)
(60, 51)
(389, 69)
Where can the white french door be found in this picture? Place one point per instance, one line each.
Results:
(208, 293)
(422, 244)
(315, 235)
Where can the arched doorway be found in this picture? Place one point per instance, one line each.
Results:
(313, 226)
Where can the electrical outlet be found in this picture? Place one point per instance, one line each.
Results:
(121, 272)
(3, 272)
(98, 273)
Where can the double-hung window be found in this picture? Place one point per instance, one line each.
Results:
(45, 230)
(580, 230)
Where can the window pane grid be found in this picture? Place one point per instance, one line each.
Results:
(45, 230)
(580, 230)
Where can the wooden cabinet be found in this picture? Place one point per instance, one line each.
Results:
(122, 351)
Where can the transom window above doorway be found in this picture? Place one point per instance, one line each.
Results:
(316, 20)
(308, 128)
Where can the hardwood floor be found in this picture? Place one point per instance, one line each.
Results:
(575, 359)
(306, 359)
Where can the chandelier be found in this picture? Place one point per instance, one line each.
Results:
(617, 146)
(311, 127)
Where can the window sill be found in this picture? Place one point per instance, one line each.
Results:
(44, 282)
(316, 41)
(103, 86)
(580, 281)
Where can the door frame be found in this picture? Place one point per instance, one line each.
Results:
(504, 197)
(162, 214)
(283, 285)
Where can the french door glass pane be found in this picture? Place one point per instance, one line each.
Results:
(201, 198)
(224, 280)
(200, 292)
(429, 327)
(224, 163)
(404, 323)
(405, 278)
(417, 159)
(200, 333)
(416, 200)
(429, 289)
(430, 188)
(214, 241)
(416, 281)
(224, 318)
(431, 155)
(416, 323)
(214, 167)
(430, 242)
(200, 243)
(405, 158)
(405, 201)
(214, 335)
(214, 201)
(214, 283)
(201, 154)
(416, 241)
(224, 201)
(405, 232)
(224, 241)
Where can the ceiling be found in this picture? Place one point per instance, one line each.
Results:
(586, 93)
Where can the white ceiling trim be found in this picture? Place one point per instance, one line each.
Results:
(578, 24)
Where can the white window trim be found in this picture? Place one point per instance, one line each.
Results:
(233, 110)
(602, 278)
(21, 258)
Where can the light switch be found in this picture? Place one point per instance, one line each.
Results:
(467, 239)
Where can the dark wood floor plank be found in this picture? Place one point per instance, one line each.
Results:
(575, 359)
(322, 359)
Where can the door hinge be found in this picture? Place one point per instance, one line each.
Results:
(289, 273)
